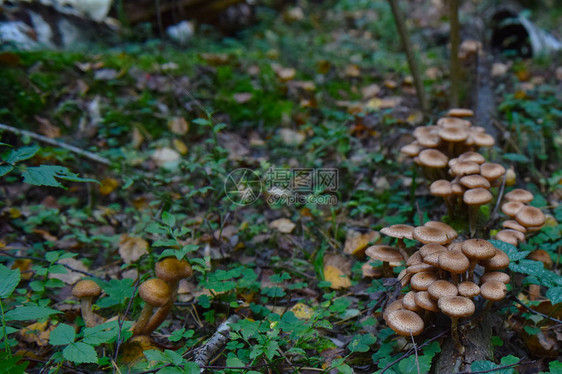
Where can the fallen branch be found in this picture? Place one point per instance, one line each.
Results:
(216, 342)
(57, 143)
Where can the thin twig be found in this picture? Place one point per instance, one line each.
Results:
(46, 261)
(63, 365)
(120, 323)
(57, 143)
(415, 351)
(535, 311)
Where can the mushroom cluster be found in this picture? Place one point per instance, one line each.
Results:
(524, 219)
(452, 135)
(160, 293)
(440, 277)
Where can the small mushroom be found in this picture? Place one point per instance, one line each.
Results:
(155, 293)
(399, 232)
(385, 254)
(518, 194)
(468, 289)
(474, 198)
(476, 250)
(456, 307)
(455, 262)
(405, 322)
(87, 291)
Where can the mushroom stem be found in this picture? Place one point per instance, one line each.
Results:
(455, 335)
(88, 315)
(144, 317)
(402, 249)
(386, 269)
(160, 315)
(472, 214)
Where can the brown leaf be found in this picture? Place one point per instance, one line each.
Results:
(283, 225)
(178, 125)
(47, 128)
(108, 185)
(337, 270)
(242, 97)
(132, 248)
(356, 242)
(37, 333)
(70, 277)
(291, 137)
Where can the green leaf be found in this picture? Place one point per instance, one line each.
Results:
(489, 365)
(361, 343)
(24, 313)
(101, 334)
(156, 355)
(192, 368)
(409, 366)
(555, 367)
(515, 157)
(512, 252)
(5, 169)
(22, 154)
(555, 295)
(529, 267)
(80, 353)
(9, 280)
(168, 219)
(235, 362)
(62, 334)
(47, 175)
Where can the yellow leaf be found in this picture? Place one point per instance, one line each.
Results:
(336, 277)
(132, 248)
(108, 185)
(24, 266)
(302, 311)
(180, 146)
(282, 225)
(37, 333)
(356, 242)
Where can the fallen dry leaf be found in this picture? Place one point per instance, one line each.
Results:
(132, 248)
(70, 277)
(178, 125)
(386, 103)
(283, 225)
(47, 128)
(356, 242)
(180, 146)
(302, 311)
(108, 185)
(24, 266)
(337, 270)
(242, 97)
(352, 71)
(165, 157)
(291, 137)
(370, 91)
(37, 333)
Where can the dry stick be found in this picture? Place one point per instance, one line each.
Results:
(218, 340)
(455, 66)
(410, 56)
(57, 143)
(535, 311)
(415, 351)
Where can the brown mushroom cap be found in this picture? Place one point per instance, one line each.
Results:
(510, 236)
(456, 246)
(384, 253)
(482, 139)
(430, 248)
(404, 277)
(529, 216)
(453, 134)
(422, 280)
(399, 231)
(441, 188)
(155, 292)
(511, 208)
(468, 289)
(449, 231)
(418, 268)
(493, 290)
(415, 258)
(456, 306)
(474, 181)
(460, 112)
(491, 171)
(86, 288)
(457, 188)
(478, 249)
(495, 276)
(424, 301)
(514, 225)
(432, 158)
(171, 269)
(461, 168)
(452, 122)
(472, 157)
(411, 149)
(442, 288)
(405, 322)
(477, 196)
(454, 262)
(409, 302)
(370, 271)
(518, 194)
(498, 262)
(427, 234)
(541, 256)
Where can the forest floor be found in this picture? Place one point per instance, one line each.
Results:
(196, 145)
